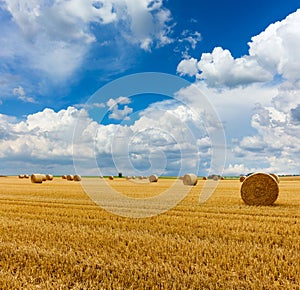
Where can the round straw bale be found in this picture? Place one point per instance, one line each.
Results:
(215, 177)
(222, 178)
(70, 177)
(21, 176)
(111, 177)
(64, 177)
(77, 177)
(190, 179)
(204, 178)
(275, 176)
(153, 178)
(26, 176)
(242, 178)
(259, 189)
(37, 178)
(49, 177)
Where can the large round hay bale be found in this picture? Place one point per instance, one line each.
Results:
(77, 177)
(64, 176)
(204, 178)
(21, 176)
(26, 176)
(259, 189)
(242, 178)
(110, 177)
(37, 178)
(190, 179)
(275, 176)
(153, 178)
(222, 178)
(215, 177)
(70, 177)
(49, 177)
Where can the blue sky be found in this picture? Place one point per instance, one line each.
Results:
(242, 56)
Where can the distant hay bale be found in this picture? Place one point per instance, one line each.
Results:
(275, 176)
(77, 177)
(37, 178)
(111, 177)
(215, 177)
(204, 178)
(21, 176)
(153, 178)
(190, 179)
(26, 176)
(49, 177)
(222, 178)
(242, 178)
(259, 189)
(64, 177)
(70, 177)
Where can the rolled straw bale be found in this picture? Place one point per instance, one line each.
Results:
(64, 177)
(26, 176)
(242, 178)
(222, 178)
(190, 179)
(204, 178)
(259, 189)
(44, 177)
(21, 176)
(49, 177)
(216, 178)
(77, 177)
(275, 176)
(111, 177)
(70, 177)
(153, 178)
(37, 178)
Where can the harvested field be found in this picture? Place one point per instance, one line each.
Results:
(52, 236)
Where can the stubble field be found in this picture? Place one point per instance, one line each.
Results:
(52, 236)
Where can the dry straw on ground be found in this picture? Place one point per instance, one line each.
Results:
(190, 179)
(259, 189)
(77, 177)
(242, 178)
(153, 178)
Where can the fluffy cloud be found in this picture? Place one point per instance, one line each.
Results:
(188, 67)
(273, 52)
(162, 141)
(43, 35)
(20, 92)
(257, 97)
